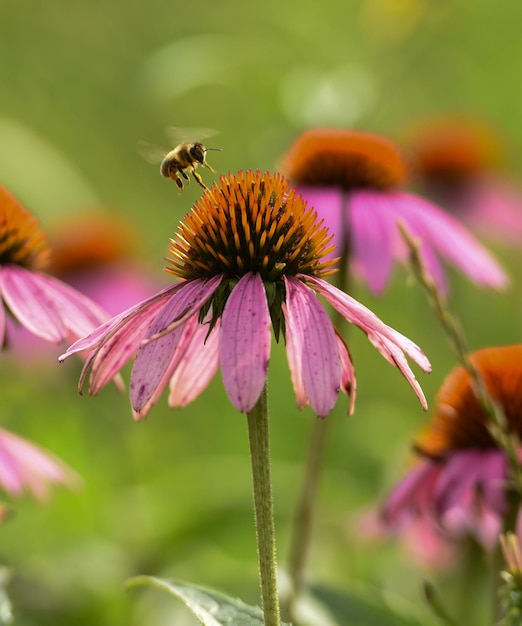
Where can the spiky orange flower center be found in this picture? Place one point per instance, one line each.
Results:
(250, 222)
(452, 151)
(21, 240)
(459, 421)
(345, 158)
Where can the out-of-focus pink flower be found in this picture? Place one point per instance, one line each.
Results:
(95, 252)
(250, 255)
(354, 180)
(26, 467)
(43, 305)
(458, 163)
(458, 489)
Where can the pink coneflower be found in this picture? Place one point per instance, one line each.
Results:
(458, 163)
(354, 180)
(95, 253)
(24, 466)
(40, 303)
(250, 254)
(458, 489)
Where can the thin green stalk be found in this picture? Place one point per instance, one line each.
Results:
(258, 433)
(498, 426)
(301, 535)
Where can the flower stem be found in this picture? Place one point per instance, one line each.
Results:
(258, 433)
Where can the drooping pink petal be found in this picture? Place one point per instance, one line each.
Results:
(373, 237)
(112, 326)
(394, 355)
(30, 304)
(25, 466)
(244, 347)
(117, 348)
(155, 361)
(361, 316)
(450, 239)
(197, 366)
(348, 380)
(312, 346)
(328, 204)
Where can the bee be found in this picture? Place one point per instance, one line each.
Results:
(183, 160)
(186, 157)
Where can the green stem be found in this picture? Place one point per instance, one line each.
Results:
(303, 516)
(258, 433)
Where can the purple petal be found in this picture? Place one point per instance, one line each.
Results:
(23, 465)
(413, 493)
(155, 360)
(245, 342)
(312, 347)
(450, 239)
(113, 326)
(3, 323)
(79, 314)
(328, 204)
(394, 355)
(30, 304)
(465, 472)
(348, 380)
(361, 316)
(373, 237)
(197, 366)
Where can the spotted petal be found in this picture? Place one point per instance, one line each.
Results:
(312, 348)
(245, 342)
(156, 360)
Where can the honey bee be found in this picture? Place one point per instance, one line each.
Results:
(177, 163)
(186, 157)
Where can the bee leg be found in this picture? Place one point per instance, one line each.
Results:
(177, 180)
(199, 180)
(184, 174)
(205, 164)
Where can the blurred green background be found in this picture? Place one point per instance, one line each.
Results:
(80, 84)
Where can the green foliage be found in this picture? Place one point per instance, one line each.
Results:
(209, 606)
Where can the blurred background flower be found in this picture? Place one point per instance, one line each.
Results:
(459, 488)
(462, 163)
(355, 182)
(82, 83)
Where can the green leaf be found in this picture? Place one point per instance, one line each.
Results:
(212, 608)
(354, 608)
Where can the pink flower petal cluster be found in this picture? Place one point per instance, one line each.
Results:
(176, 345)
(353, 180)
(24, 466)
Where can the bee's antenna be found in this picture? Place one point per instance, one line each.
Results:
(207, 149)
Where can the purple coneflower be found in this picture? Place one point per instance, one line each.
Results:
(459, 487)
(95, 253)
(250, 254)
(24, 466)
(43, 305)
(458, 163)
(354, 180)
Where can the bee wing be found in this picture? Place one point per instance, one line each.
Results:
(150, 152)
(177, 134)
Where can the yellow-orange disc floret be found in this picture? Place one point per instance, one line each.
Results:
(345, 158)
(21, 240)
(250, 222)
(459, 422)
